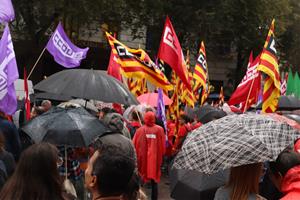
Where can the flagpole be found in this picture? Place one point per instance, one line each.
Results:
(36, 62)
(245, 108)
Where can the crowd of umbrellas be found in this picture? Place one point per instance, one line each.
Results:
(224, 141)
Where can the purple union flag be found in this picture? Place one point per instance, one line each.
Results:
(8, 74)
(7, 12)
(63, 50)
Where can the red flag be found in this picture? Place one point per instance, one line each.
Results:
(249, 87)
(114, 67)
(170, 51)
(27, 101)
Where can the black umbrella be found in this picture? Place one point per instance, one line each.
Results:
(65, 126)
(286, 103)
(207, 113)
(49, 96)
(87, 84)
(190, 184)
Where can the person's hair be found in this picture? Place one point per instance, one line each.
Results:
(284, 162)
(149, 109)
(244, 180)
(185, 118)
(133, 187)
(114, 171)
(136, 115)
(36, 175)
(106, 110)
(46, 103)
(39, 110)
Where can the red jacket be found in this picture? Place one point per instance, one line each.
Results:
(149, 142)
(290, 185)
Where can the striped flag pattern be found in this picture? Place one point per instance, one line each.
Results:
(187, 95)
(136, 63)
(269, 65)
(200, 71)
(283, 86)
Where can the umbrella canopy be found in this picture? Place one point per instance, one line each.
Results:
(208, 113)
(65, 126)
(87, 84)
(152, 98)
(49, 96)
(234, 140)
(286, 103)
(191, 184)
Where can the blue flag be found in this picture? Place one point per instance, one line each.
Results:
(8, 74)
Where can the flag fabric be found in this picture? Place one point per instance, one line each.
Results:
(7, 13)
(290, 89)
(204, 93)
(135, 63)
(249, 87)
(221, 96)
(283, 85)
(269, 65)
(27, 101)
(114, 67)
(296, 85)
(200, 71)
(187, 95)
(63, 50)
(170, 52)
(174, 107)
(8, 74)
(161, 111)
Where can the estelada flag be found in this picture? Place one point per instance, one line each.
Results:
(246, 89)
(170, 52)
(269, 65)
(136, 63)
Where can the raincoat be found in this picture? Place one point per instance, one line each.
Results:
(149, 142)
(290, 185)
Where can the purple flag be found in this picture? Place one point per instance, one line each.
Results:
(161, 111)
(8, 74)
(7, 12)
(63, 50)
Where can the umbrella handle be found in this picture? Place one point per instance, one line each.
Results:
(137, 114)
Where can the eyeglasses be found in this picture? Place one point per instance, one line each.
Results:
(59, 161)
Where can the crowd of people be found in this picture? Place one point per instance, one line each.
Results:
(117, 165)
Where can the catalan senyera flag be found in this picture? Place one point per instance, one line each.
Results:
(136, 63)
(200, 71)
(269, 65)
(137, 86)
(187, 95)
(174, 107)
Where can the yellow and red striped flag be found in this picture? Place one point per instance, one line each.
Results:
(269, 65)
(221, 96)
(137, 86)
(136, 63)
(187, 95)
(200, 71)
